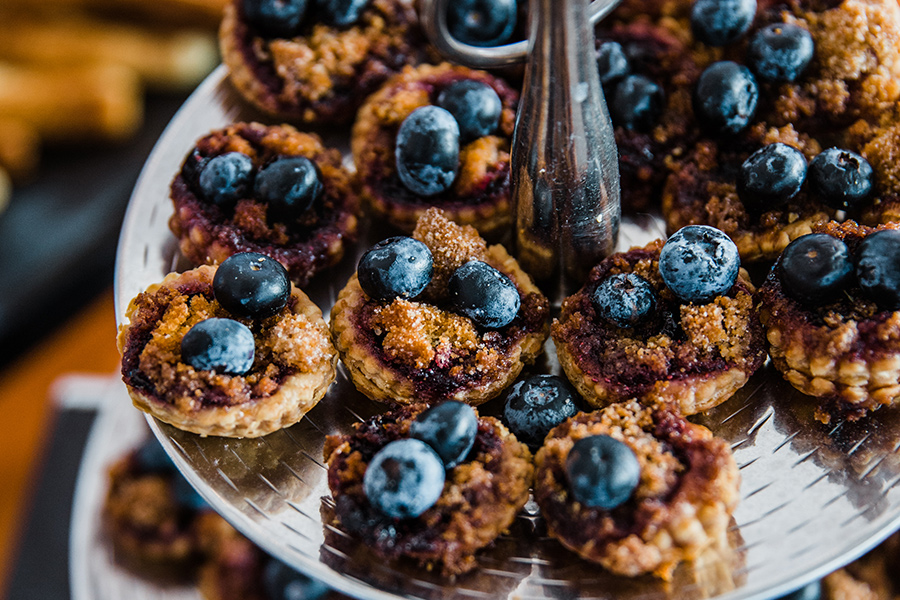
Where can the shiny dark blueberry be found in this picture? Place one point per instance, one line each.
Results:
(252, 285)
(725, 98)
(449, 428)
(226, 178)
(537, 405)
(720, 22)
(780, 52)
(341, 13)
(282, 582)
(221, 345)
(475, 106)
(427, 151)
(275, 18)
(289, 185)
(192, 167)
(840, 178)
(698, 263)
(810, 591)
(404, 479)
(815, 268)
(482, 22)
(771, 176)
(636, 103)
(603, 472)
(612, 62)
(398, 266)
(484, 294)
(878, 268)
(625, 299)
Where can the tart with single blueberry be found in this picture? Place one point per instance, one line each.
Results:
(436, 316)
(672, 322)
(635, 489)
(269, 189)
(437, 136)
(831, 309)
(236, 351)
(315, 62)
(434, 485)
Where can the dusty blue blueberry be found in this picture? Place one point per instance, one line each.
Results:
(482, 22)
(221, 345)
(636, 103)
(780, 52)
(536, 405)
(484, 294)
(725, 97)
(625, 299)
(840, 178)
(721, 22)
(289, 186)
(771, 176)
(282, 582)
(395, 267)
(602, 471)
(449, 428)
(275, 18)
(427, 151)
(612, 63)
(251, 285)
(226, 178)
(814, 269)
(878, 268)
(698, 263)
(341, 13)
(404, 479)
(475, 106)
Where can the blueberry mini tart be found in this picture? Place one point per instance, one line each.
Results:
(635, 489)
(189, 361)
(315, 62)
(465, 335)
(437, 136)
(393, 491)
(647, 326)
(832, 317)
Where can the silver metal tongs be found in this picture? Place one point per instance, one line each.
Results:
(565, 172)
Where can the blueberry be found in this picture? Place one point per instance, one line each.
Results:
(602, 471)
(404, 479)
(251, 285)
(275, 18)
(625, 299)
(484, 294)
(771, 176)
(720, 22)
(612, 63)
(449, 428)
(289, 185)
(810, 591)
(151, 458)
(475, 106)
(341, 13)
(221, 345)
(878, 268)
(815, 268)
(537, 405)
(395, 267)
(281, 582)
(840, 179)
(780, 52)
(482, 22)
(698, 263)
(636, 103)
(192, 167)
(427, 151)
(725, 98)
(226, 178)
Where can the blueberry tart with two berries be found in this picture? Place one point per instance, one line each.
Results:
(433, 485)
(437, 316)
(236, 351)
(437, 136)
(671, 322)
(831, 308)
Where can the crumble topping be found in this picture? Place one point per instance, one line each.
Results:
(720, 327)
(451, 247)
(477, 161)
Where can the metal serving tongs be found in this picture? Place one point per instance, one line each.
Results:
(565, 173)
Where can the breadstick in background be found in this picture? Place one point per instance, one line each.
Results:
(202, 13)
(20, 147)
(163, 59)
(98, 102)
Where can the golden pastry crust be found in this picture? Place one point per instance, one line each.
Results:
(480, 196)
(683, 503)
(847, 353)
(294, 366)
(692, 357)
(407, 352)
(480, 500)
